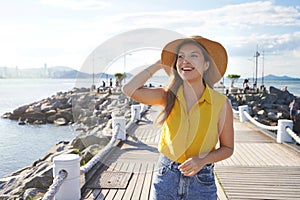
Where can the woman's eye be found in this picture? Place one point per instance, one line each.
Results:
(194, 55)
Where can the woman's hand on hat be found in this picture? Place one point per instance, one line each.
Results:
(152, 69)
(191, 166)
(158, 65)
(166, 68)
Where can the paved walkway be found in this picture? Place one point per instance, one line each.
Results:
(258, 169)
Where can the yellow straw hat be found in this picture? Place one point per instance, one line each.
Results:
(215, 50)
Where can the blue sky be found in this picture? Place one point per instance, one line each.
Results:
(65, 32)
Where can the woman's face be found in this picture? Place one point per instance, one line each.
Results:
(190, 63)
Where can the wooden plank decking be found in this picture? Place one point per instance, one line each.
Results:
(138, 155)
(259, 168)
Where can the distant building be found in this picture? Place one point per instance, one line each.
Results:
(16, 72)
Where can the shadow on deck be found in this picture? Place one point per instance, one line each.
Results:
(258, 169)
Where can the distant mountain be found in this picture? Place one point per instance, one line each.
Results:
(60, 72)
(73, 74)
(61, 68)
(65, 72)
(274, 77)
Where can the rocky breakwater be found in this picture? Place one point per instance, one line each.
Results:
(89, 113)
(55, 109)
(268, 107)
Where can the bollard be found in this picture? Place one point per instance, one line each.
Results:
(282, 135)
(70, 189)
(135, 112)
(144, 107)
(119, 127)
(243, 108)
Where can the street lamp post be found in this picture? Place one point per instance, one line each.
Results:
(93, 86)
(256, 65)
(125, 66)
(257, 54)
(262, 69)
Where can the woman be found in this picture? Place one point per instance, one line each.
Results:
(194, 119)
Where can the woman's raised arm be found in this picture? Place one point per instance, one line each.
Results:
(135, 89)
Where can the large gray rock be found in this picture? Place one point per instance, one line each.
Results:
(34, 180)
(284, 95)
(88, 153)
(85, 141)
(267, 107)
(268, 99)
(34, 117)
(34, 193)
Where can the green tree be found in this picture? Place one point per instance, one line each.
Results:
(120, 77)
(233, 78)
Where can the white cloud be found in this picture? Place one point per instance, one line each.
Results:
(261, 13)
(296, 53)
(241, 16)
(239, 27)
(78, 4)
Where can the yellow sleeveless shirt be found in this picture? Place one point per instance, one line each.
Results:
(187, 134)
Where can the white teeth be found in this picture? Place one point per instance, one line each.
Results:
(187, 69)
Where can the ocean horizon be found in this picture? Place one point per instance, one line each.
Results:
(20, 145)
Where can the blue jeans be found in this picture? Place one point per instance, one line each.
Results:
(168, 182)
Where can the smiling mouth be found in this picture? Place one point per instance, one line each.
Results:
(187, 69)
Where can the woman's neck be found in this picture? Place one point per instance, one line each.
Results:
(192, 92)
(195, 89)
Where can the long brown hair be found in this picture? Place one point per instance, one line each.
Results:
(176, 81)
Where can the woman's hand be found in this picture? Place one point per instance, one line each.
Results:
(166, 68)
(191, 166)
(135, 89)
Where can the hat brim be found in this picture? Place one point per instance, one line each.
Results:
(215, 50)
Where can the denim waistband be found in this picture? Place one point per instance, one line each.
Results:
(172, 164)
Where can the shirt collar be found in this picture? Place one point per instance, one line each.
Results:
(206, 96)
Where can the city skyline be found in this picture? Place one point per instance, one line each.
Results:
(66, 32)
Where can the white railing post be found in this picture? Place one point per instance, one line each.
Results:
(135, 112)
(144, 107)
(282, 134)
(119, 128)
(243, 108)
(70, 188)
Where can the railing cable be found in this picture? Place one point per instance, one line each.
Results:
(260, 125)
(102, 153)
(57, 182)
(292, 134)
(62, 175)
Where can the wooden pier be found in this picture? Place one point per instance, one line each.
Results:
(260, 168)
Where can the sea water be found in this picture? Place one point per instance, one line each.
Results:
(293, 85)
(20, 145)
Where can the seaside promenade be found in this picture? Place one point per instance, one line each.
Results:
(260, 168)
